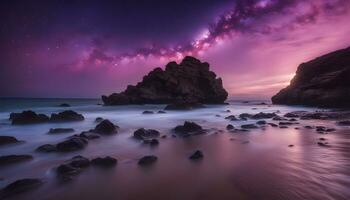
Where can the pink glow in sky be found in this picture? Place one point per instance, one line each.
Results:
(255, 46)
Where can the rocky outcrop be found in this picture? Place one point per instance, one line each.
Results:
(322, 82)
(19, 186)
(189, 81)
(67, 115)
(4, 140)
(28, 117)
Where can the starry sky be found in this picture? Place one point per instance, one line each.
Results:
(84, 48)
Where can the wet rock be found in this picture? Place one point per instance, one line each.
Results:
(285, 123)
(161, 112)
(322, 139)
(60, 130)
(72, 144)
(231, 117)
(64, 105)
(12, 159)
(279, 118)
(8, 140)
(72, 167)
(330, 129)
(66, 116)
(249, 126)
(323, 144)
(147, 160)
(28, 117)
(291, 115)
(105, 127)
(89, 135)
(230, 127)
(46, 148)
(308, 127)
(272, 124)
(320, 128)
(98, 119)
(292, 120)
(283, 126)
(263, 115)
(196, 155)
(143, 134)
(291, 145)
(322, 82)
(104, 162)
(244, 116)
(20, 186)
(261, 122)
(228, 111)
(184, 105)
(188, 128)
(191, 80)
(164, 136)
(147, 112)
(154, 142)
(344, 123)
(79, 162)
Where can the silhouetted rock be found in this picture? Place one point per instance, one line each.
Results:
(72, 144)
(189, 81)
(20, 186)
(66, 116)
(161, 112)
(230, 127)
(89, 135)
(323, 81)
(188, 128)
(98, 119)
(147, 160)
(344, 123)
(104, 162)
(261, 122)
(47, 148)
(11, 159)
(28, 117)
(105, 127)
(279, 118)
(291, 115)
(72, 167)
(60, 130)
(143, 134)
(147, 112)
(231, 117)
(64, 105)
(272, 124)
(196, 155)
(79, 162)
(263, 115)
(7, 140)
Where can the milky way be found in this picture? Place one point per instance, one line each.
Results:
(86, 48)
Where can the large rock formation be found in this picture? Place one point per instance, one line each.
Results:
(324, 81)
(189, 81)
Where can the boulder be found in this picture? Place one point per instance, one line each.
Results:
(8, 140)
(263, 115)
(19, 186)
(196, 155)
(249, 126)
(46, 148)
(28, 117)
(344, 123)
(189, 81)
(230, 127)
(322, 82)
(98, 119)
(231, 117)
(147, 112)
(67, 115)
(147, 160)
(104, 162)
(89, 135)
(60, 130)
(261, 122)
(188, 128)
(72, 144)
(72, 167)
(105, 127)
(12, 159)
(143, 134)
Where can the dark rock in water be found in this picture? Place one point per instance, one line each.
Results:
(322, 139)
(228, 111)
(105, 127)
(230, 127)
(154, 142)
(261, 122)
(285, 123)
(66, 116)
(72, 167)
(190, 80)
(263, 115)
(147, 112)
(89, 135)
(245, 115)
(291, 115)
(147, 160)
(104, 162)
(8, 140)
(60, 130)
(98, 119)
(11, 159)
(79, 162)
(197, 155)
(323, 81)
(146, 133)
(308, 127)
(47, 148)
(283, 126)
(279, 118)
(188, 128)
(20, 186)
(272, 124)
(161, 112)
(249, 126)
(323, 144)
(231, 117)
(344, 123)
(184, 105)
(28, 117)
(72, 144)
(64, 105)
(292, 120)
(291, 145)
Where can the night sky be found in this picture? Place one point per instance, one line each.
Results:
(88, 48)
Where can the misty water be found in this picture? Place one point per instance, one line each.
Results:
(243, 165)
